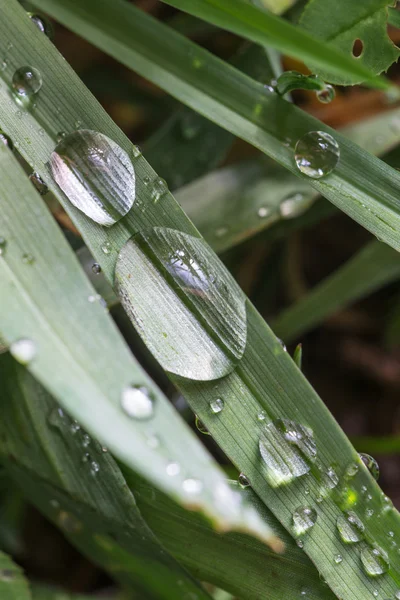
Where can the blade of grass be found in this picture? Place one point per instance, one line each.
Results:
(43, 299)
(363, 187)
(265, 28)
(13, 585)
(371, 268)
(267, 378)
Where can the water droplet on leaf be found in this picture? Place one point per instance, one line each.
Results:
(173, 468)
(27, 81)
(137, 402)
(243, 481)
(350, 527)
(327, 94)
(304, 518)
(23, 350)
(217, 405)
(292, 206)
(317, 154)
(106, 248)
(159, 188)
(42, 24)
(338, 558)
(95, 174)
(371, 464)
(374, 560)
(96, 268)
(192, 486)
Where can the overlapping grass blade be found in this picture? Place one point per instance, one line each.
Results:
(267, 378)
(371, 268)
(13, 585)
(43, 299)
(45, 593)
(362, 186)
(80, 488)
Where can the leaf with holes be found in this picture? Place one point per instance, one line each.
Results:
(356, 29)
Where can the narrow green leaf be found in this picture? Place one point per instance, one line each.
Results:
(13, 585)
(298, 355)
(374, 266)
(265, 28)
(44, 297)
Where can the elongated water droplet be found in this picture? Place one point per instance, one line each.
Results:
(243, 481)
(195, 323)
(350, 527)
(137, 402)
(95, 174)
(23, 350)
(42, 24)
(371, 464)
(286, 448)
(374, 560)
(159, 188)
(317, 154)
(304, 518)
(327, 94)
(217, 405)
(27, 81)
(39, 184)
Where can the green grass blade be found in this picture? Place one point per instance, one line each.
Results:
(362, 186)
(265, 28)
(13, 585)
(44, 299)
(44, 593)
(374, 266)
(57, 475)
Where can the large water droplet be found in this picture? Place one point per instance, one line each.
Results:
(42, 24)
(304, 518)
(350, 527)
(317, 154)
(137, 402)
(95, 174)
(287, 448)
(188, 309)
(39, 184)
(374, 560)
(23, 350)
(371, 464)
(27, 81)
(327, 94)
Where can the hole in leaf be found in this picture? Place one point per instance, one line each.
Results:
(358, 48)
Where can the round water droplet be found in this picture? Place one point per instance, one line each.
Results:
(201, 427)
(95, 174)
(317, 154)
(350, 527)
(60, 136)
(137, 402)
(106, 248)
(374, 560)
(96, 268)
(6, 140)
(338, 558)
(243, 481)
(292, 206)
(42, 24)
(371, 464)
(27, 81)
(39, 184)
(332, 478)
(304, 518)
(173, 468)
(23, 350)
(159, 188)
(217, 405)
(327, 94)
(192, 486)
(195, 325)
(263, 212)
(351, 470)
(86, 457)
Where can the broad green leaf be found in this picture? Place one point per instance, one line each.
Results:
(394, 17)
(45, 296)
(342, 23)
(361, 186)
(267, 379)
(13, 585)
(77, 485)
(265, 28)
(374, 266)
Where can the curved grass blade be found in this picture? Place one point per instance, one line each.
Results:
(361, 186)
(13, 585)
(267, 379)
(78, 486)
(371, 268)
(44, 299)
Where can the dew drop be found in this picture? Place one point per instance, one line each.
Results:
(39, 184)
(304, 518)
(351, 470)
(374, 560)
(206, 337)
(350, 527)
(57, 418)
(192, 486)
(95, 174)
(300, 543)
(23, 350)
(263, 212)
(96, 268)
(27, 81)
(3, 245)
(136, 151)
(338, 558)
(173, 468)
(28, 259)
(282, 343)
(327, 94)
(86, 440)
(42, 24)
(106, 248)
(6, 140)
(371, 464)
(94, 468)
(201, 427)
(317, 154)
(86, 457)
(262, 415)
(369, 513)
(159, 188)
(137, 402)
(217, 405)
(60, 136)
(243, 481)
(292, 206)
(74, 427)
